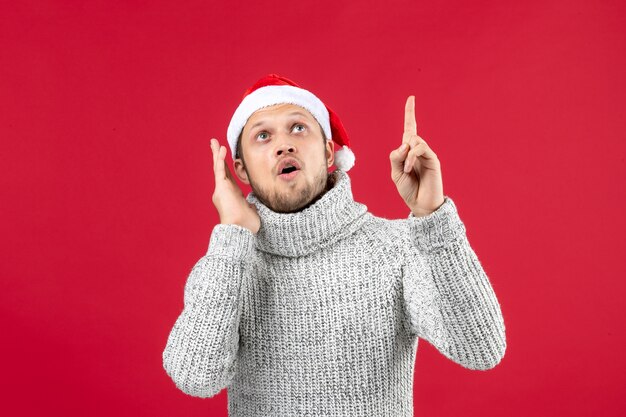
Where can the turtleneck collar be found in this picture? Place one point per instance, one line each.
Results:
(333, 216)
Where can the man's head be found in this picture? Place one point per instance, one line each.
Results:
(278, 122)
(274, 136)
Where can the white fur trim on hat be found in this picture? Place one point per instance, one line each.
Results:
(276, 94)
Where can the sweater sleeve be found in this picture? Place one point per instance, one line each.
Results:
(201, 350)
(447, 294)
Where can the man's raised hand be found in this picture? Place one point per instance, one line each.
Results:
(415, 169)
(232, 206)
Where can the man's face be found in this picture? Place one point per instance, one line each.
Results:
(274, 135)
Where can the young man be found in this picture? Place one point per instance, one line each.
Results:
(306, 303)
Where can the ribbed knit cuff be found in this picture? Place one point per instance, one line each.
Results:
(231, 241)
(438, 229)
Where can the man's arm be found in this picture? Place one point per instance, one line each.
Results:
(200, 355)
(447, 295)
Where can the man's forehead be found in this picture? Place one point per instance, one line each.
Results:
(282, 108)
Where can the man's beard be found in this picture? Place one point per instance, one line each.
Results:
(282, 203)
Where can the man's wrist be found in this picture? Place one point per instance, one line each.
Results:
(422, 213)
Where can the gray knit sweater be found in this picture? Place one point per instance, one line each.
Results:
(319, 313)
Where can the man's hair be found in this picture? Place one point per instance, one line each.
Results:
(239, 154)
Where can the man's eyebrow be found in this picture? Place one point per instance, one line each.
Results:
(296, 112)
(293, 113)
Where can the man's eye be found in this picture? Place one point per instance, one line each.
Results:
(300, 125)
(262, 133)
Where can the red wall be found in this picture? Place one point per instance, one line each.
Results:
(106, 111)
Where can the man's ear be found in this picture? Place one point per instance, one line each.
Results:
(240, 171)
(330, 153)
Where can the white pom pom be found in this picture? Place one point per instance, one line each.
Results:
(344, 158)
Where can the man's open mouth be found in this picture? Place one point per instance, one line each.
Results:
(288, 169)
(288, 173)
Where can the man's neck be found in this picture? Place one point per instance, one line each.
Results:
(323, 223)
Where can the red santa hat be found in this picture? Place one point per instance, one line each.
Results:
(274, 89)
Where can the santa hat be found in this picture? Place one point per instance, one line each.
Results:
(274, 89)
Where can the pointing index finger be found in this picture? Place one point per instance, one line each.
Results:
(410, 125)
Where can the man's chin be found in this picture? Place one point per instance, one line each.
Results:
(289, 205)
(283, 200)
(290, 196)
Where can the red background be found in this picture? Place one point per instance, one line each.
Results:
(106, 113)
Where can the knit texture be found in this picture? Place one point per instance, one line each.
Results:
(321, 311)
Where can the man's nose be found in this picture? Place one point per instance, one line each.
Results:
(285, 145)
